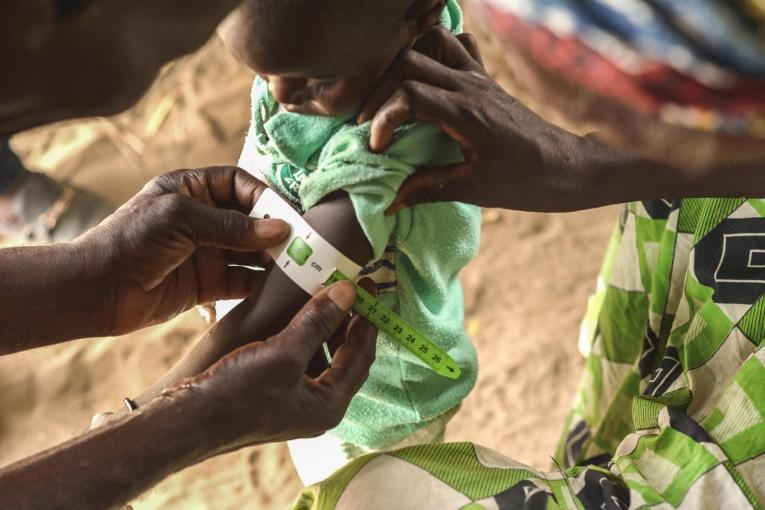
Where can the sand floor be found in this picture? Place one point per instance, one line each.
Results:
(525, 295)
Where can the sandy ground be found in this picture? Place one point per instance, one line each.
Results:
(525, 295)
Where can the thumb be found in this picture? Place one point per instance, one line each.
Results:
(432, 184)
(232, 230)
(316, 322)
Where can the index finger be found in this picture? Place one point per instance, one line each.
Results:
(223, 186)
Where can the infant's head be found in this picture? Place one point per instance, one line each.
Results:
(323, 57)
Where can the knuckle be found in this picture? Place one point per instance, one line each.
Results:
(440, 33)
(193, 179)
(171, 206)
(386, 116)
(409, 88)
(407, 59)
(165, 183)
(235, 223)
(467, 38)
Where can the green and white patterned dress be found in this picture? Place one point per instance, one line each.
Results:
(671, 408)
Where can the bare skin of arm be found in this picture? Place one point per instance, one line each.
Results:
(514, 158)
(276, 301)
(255, 395)
(47, 296)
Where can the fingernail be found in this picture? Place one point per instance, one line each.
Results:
(272, 229)
(343, 294)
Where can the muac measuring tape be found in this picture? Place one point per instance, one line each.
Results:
(312, 263)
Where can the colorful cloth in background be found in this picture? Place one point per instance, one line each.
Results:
(698, 64)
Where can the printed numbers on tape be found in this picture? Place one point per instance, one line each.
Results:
(388, 321)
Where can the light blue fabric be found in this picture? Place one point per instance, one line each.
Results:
(695, 37)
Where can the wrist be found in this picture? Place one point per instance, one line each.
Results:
(181, 417)
(98, 272)
(566, 163)
(227, 420)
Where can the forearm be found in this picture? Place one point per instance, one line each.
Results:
(107, 467)
(275, 303)
(587, 174)
(48, 294)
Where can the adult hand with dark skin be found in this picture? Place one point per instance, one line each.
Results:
(254, 395)
(63, 59)
(514, 158)
(167, 249)
(173, 244)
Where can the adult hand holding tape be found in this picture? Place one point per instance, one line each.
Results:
(313, 263)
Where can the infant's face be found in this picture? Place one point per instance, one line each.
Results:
(332, 94)
(313, 69)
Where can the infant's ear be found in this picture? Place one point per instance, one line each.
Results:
(425, 14)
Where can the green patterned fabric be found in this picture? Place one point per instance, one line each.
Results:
(671, 407)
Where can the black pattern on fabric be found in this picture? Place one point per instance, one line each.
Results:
(575, 441)
(376, 266)
(650, 352)
(667, 373)
(523, 496)
(601, 491)
(681, 422)
(659, 209)
(731, 260)
(603, 460)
